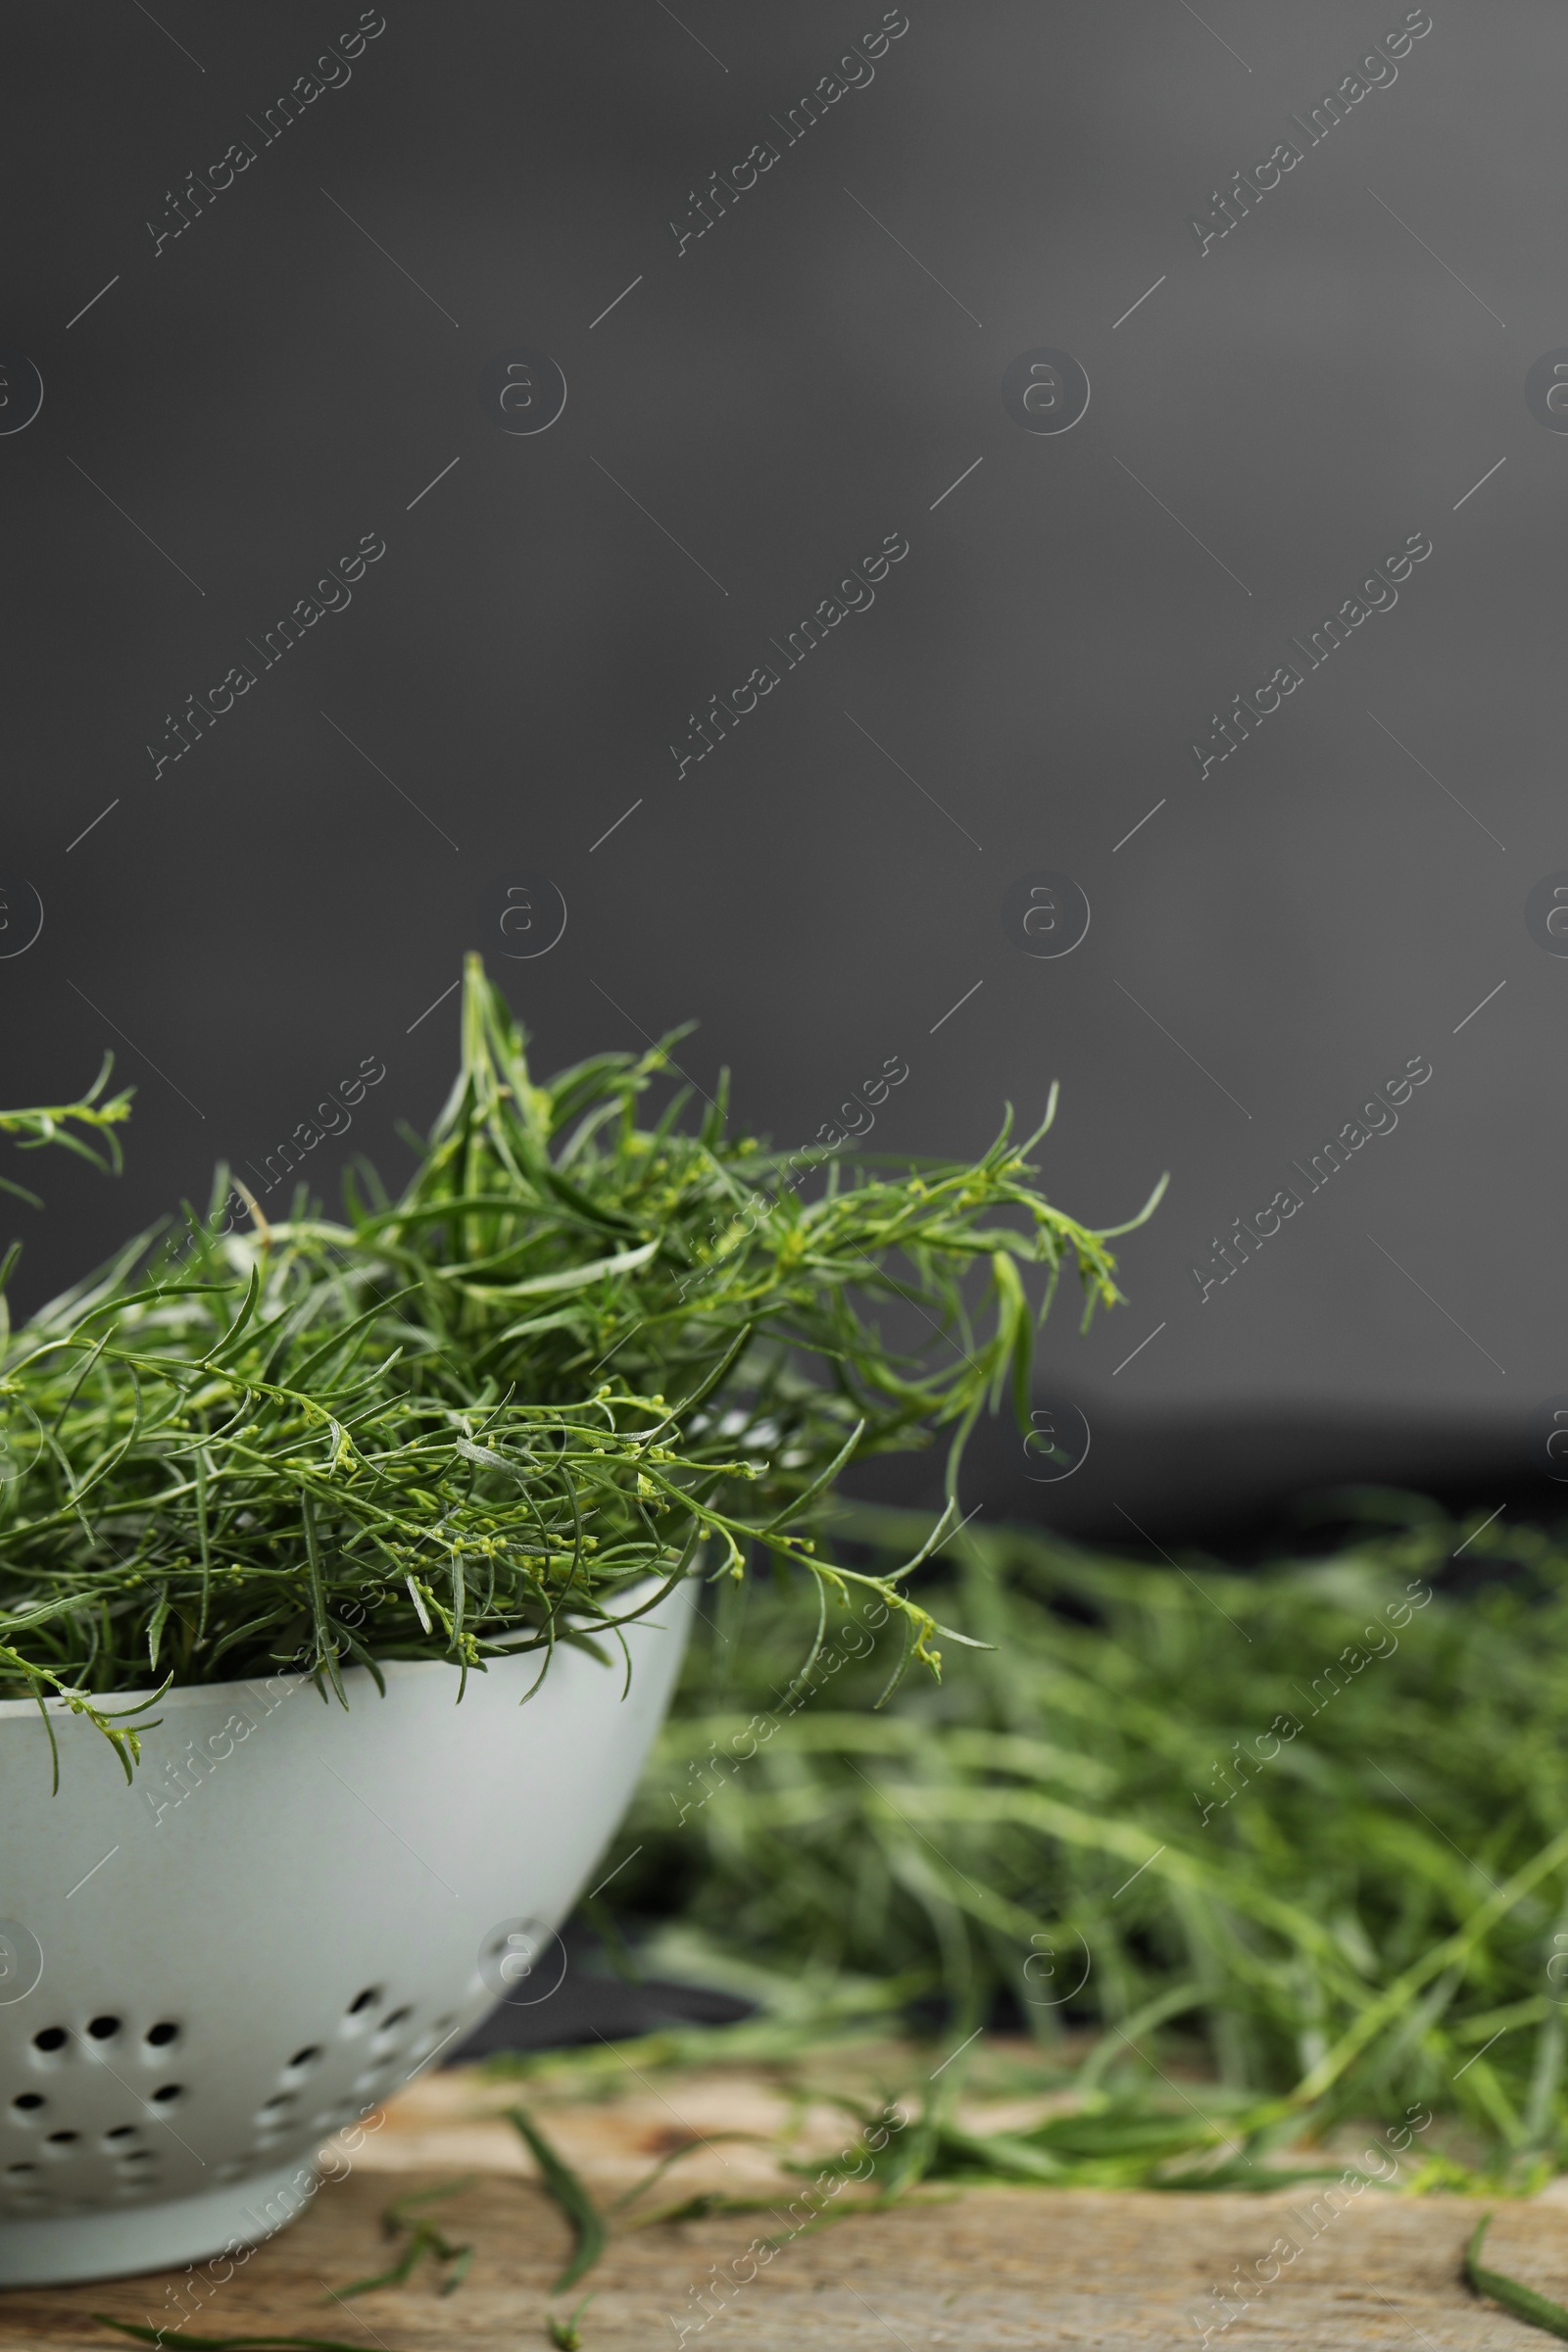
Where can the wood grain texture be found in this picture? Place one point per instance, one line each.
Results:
(1099, 2270)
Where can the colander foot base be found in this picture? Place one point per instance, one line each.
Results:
(63, 2249)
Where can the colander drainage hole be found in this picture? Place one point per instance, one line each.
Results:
(162, 2033)
(104, 2028)
(365, 1999)
(168, 2093)
(52, 2037)
(22, 2168)
(29, 2100)
(62, 2139)
(306, 2057)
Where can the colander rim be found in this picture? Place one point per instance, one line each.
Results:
(355, 1678)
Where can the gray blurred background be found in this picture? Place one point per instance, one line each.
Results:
(751, 411)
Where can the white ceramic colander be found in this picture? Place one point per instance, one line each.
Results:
(292, 1909)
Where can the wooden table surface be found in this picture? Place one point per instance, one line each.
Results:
(985, 2268)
